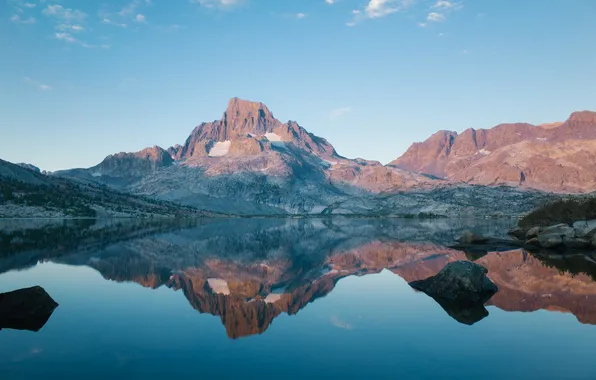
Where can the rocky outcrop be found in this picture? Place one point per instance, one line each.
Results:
(558, 157)
(26, 309)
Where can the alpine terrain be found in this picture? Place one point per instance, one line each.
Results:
(253, 164)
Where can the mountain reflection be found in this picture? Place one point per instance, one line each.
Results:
(247, 272)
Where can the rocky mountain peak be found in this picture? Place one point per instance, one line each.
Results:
(243, 117)
(583, 117)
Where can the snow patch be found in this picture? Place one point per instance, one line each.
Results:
(273, 137)
(219, 286)
(484, 152)
(96, 174)
(541, 138)
(220, 149)
(273, 298)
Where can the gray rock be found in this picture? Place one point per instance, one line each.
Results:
(469, 237)
(594, 241)
(550, 240)
(563, 230)
(461, 281)
(585, 228)
(26, 309)
(517, 232)
(533, 232)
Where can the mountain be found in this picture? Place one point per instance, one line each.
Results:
(557, 157)
(249, 162)
(28, 193)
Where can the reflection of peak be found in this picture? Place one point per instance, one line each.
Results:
(242, 315)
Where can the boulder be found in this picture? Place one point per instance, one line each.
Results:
(533, 241)
(550, 240)
(460, 281)
(469, 237)
(562, 230)
(26, 309)
(533, 232)
(517, 232)
(594, 241)
(585, 228)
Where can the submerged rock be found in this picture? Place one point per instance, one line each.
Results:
(26, 309)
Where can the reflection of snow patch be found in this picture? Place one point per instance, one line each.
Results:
(484, 152)
(273, 137)
(272, 298)
(96, 174)
(219, 286)
(220, 149)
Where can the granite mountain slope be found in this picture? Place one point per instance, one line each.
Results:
(558, 157)
(249, 162)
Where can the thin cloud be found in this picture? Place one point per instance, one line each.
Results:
(27, 21)
(446, 5)
(339, 112)
(74, 28)
(66, 14)
(331, 2)
(39, 85)
(140, 18)
(108, 21)
(380, 8)
(130, 8)
(435, 17)
(217, 3)
(300, 15)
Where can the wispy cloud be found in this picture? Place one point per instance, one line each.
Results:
(380, 8)
(339, 112)
(39, 85)
(140, 18)
(435, 17)
(74, 28)
(64, 14)
(444, 4)
(25, 21)
(331, 2)
(217, 3)
(300, 15)
(108, 21)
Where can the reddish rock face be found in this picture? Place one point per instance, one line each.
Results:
(244, 121)
(556, 157)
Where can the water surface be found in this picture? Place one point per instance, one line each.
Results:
(247, 299)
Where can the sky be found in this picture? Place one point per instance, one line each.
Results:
(80, 80)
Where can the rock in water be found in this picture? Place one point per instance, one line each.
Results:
(461, 281)
(26, 309)
(469, 237)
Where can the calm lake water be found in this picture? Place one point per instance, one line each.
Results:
(290, 299)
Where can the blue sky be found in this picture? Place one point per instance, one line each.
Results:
(84, 79)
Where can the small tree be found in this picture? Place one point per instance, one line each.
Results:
(7, 193)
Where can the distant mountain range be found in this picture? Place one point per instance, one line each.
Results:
(558, 157)
(250, 163)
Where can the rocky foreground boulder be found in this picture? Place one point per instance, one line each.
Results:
(461, 288)
(26, 309)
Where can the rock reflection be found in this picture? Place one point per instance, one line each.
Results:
(26, 309)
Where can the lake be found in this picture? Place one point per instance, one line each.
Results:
(290, 299)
